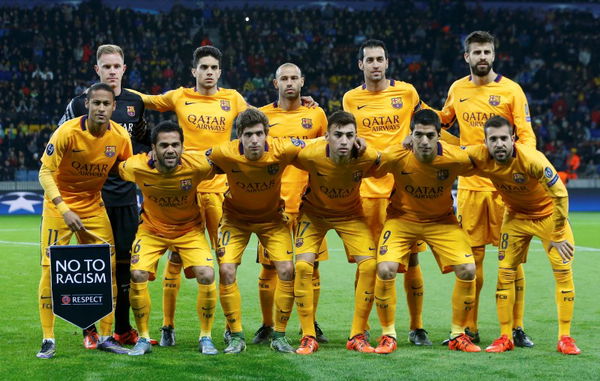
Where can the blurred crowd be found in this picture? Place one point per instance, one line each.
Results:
(48, 56)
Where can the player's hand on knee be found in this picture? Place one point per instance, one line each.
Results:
(564, 248)
(73, 221)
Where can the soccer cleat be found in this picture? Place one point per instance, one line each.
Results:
(567, 345)
(130, 337)
(206, 346)
(463, 343)
(111, 345)
(226, 336)
(167, 336)
(387, 344)
(263, 334)
(90, 339)
(48, 350)
(419, 337)
(281, 344)
(142, 347)
(501, 344)
(521, 339)
(321, 338)
(308, 346)
(473, 335)
(236, 345)
(359, 343)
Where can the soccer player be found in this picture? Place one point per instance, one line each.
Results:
(75, 165)
(383, 109)
(536, 205)
(471, 101)
(421, 209)
(171, 218)
(254, 165)
(206, 114)
(289, 118)
(119, 196)
(332, 201)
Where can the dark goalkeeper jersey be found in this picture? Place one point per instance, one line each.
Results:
(128, 113)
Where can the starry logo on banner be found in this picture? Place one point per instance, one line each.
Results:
(21, 203)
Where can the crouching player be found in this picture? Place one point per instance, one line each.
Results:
(171, 219)
(421, 209)
(537, 205)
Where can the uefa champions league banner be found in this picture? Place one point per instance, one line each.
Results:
(81, 283)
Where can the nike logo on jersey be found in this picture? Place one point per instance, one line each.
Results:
(189, 103)
(274, 124)
(372, 248)
(463, 99)
(468, 255)
(405, 173)
(78, 150)
(290, 252)
(148, 185)
(359, 107)
(209, 259)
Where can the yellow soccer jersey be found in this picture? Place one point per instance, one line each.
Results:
(302, 123)
(423, 191)
(334, 189)
(206, 120)
(473, 105)
(529, 184)
(170, 208)
(80, 163)
(254, 186)
(383, 119)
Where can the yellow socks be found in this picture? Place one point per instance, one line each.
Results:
(171, 284)
(45, 304)
(231, 302)
(565, 300)
(267, 281)
(139, 298)
(505, 299)
(463, 299)
(316, 283)
(284, 302)
(478, 255)
(363, 296)
(413, 286)
(206, 303)
(303, 289)
(385, 302)
(519, 307)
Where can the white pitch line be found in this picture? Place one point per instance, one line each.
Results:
(13, 243)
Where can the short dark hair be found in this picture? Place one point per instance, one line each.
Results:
(99, 86)
(426, 117)
(480, 37)
(340, 118)
(497, 122)
(205, 51)
(165, 126)
(249, 118)
(371, 43)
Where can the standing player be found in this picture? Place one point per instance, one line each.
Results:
(118, 195)
(332, 201)
(206, 114)
(421, 209)
(471, 101)
(536, 205)
(171, 218)
(383, 109)
(75, 165)
(289, 118)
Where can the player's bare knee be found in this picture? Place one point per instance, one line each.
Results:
(175, 257)
(387, 270)
(465, 271)
(227, 273)
(204, 274)
(285, 270)
(139, 276)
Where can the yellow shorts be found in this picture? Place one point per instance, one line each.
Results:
(54, 231)
(447, 241)
(480, 216)
(516, 235)
(291, 219)
(354, 233)
(211, 205)
(234, 236)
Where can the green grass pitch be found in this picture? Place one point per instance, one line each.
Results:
(20, 331)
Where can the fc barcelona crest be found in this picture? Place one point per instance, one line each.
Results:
(299, 242)
(220, 252)
(519, 178)
(225, 105)
(397, 102)
(185, 184)
(131, 110)
(307, 123)
(357, 176)
(110, 151)
(383, 249)
(494, 100)
(443, 174)
(273, 169)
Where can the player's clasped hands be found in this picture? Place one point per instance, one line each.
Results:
(564, 248)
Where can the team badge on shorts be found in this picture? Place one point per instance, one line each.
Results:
(494, 100)
(383, 249)
(357, 176)
(135, 259)
(443, 174)
(272, 169)
(131, 110)
(299, 242)
(307, 123)
(185, 184)
(519, 178)
(225, 105)
(500, 255)
(50, 149)
(110, 151)
(397, 102)
(220, 252)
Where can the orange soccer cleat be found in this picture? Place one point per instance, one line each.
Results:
(463, 343)
(387, 344)
(90, 339)
(128, 338)
(501, 344)
(308, 346)
(567, 345)
(360, 344)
